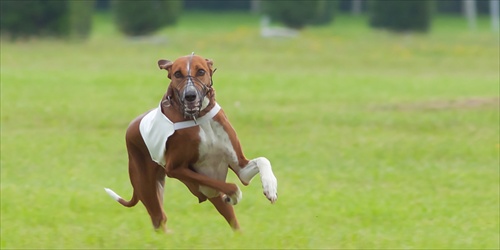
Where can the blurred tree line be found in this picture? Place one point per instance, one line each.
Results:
(46, 18)
(73, 18)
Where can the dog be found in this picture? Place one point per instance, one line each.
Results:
(189, 137)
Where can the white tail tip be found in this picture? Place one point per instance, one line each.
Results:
(113, 195)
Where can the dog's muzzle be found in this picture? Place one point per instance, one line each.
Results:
(191, 97)
(191, 101)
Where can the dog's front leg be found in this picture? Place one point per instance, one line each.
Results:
(246, 169)
(231, 190)
(263, 166)
(195, 190)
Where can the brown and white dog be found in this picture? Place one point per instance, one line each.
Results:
(189, 138)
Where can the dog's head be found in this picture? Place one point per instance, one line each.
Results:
(191, 81)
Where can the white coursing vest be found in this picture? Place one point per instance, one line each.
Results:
(156, 128)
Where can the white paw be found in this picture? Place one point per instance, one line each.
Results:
(233, 199)
(270, 187)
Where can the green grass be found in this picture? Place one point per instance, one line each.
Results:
(378, 140)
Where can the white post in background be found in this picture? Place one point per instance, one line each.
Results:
(470, 12)
(356, 7)
(255, 6)
(495, 16)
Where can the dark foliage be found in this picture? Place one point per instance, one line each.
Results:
(299, 13)
(396, 15)
(58, 18)
(136, 18)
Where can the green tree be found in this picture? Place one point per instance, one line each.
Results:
(397, 15)
(46, 18)
(136, 18)
(299, 13)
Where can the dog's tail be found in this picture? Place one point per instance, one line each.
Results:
(120, 200)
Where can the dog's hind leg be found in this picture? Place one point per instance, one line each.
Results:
(226, 210)
(160, 187)
(148, 180)
(152, 197)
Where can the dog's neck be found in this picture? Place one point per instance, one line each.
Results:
(172, 108)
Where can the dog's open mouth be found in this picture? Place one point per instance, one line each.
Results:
(192, 109)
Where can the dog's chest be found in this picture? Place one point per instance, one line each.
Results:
(215, 150)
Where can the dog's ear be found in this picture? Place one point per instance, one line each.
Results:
(166, 65)
(210, 64)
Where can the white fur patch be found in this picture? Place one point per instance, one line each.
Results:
(215, 154)
(215, 151)
(204, 103)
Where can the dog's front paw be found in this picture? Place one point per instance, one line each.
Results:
(270, 187)
(234, 198)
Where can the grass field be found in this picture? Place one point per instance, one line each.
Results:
(378, 140)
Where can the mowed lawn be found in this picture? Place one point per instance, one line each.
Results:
(378, 140)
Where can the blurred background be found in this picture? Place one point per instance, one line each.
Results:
(138, 18)
(380, 117)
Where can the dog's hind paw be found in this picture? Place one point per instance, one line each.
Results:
(234, 198)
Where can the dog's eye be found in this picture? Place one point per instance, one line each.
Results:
(178, 74)
(200, 72)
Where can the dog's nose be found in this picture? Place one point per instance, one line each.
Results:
(190, 94)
